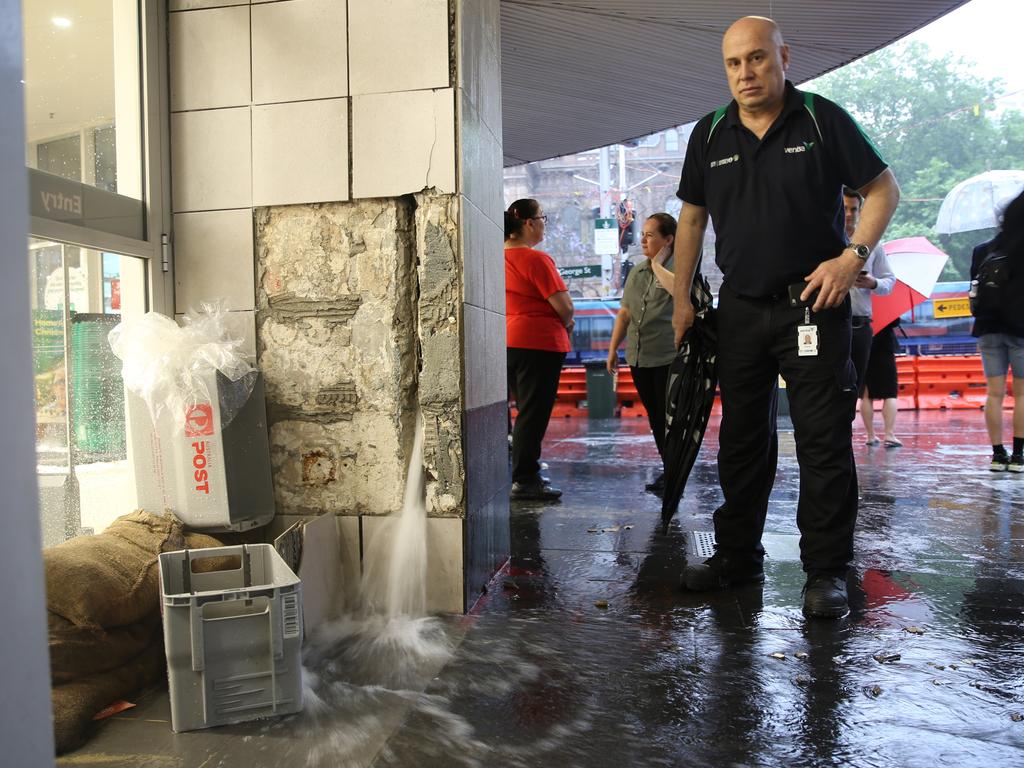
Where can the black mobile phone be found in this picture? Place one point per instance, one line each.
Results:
(795, 289)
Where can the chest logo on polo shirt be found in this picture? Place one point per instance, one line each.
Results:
(807, 146)
(724, 161)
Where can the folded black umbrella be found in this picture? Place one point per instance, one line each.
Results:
(692, 381)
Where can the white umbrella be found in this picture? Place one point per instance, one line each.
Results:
(977, 202)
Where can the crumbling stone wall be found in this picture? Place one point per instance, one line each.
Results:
(440, 380)
(357, 324)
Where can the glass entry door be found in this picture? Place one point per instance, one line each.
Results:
(78, 296)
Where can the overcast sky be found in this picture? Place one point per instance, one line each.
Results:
(987, 32)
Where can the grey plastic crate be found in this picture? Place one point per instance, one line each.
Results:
(233, 638)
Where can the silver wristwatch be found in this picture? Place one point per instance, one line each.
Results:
(861, 250)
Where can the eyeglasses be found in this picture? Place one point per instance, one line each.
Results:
(543, 218)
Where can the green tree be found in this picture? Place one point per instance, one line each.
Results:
(933, 121)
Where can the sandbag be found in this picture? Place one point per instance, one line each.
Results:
(110, 579)
(75, 703)
(78, 652)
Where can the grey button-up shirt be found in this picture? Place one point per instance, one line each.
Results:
(649, 336)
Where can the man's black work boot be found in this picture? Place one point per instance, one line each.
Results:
(722, 570)
(825, 596)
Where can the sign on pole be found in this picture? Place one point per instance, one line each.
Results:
(582, 270)
(958, 307)
(606, 237)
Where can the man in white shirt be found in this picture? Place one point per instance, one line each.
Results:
(875, 278)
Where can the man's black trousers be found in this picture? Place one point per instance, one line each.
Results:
(533, 380)
(757, 342)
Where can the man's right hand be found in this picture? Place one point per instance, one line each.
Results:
(682, 319)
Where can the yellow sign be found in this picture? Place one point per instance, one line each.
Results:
(959, 307)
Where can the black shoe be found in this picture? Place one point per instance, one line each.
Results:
(534, 491)
(825, 596)
(720, 571)
(658, 486)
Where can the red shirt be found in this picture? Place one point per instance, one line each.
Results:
(530, 321)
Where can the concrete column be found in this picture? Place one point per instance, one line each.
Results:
(26, 727)
(346, 159)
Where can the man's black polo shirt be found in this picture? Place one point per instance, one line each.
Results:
(777, 203)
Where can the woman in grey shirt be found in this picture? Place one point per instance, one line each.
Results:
(645, 321)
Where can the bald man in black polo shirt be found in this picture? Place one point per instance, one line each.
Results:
(769, 168)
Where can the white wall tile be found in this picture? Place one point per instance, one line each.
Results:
(398, 45)
(403, 142)
(209, 58)
(213, 259)
(211, 159)
(445, 565)
(242, 325)
(495, 388)
(191, 5)
(479, 64)
(299, 51)
(470, 223)
(471, 149)
(492, 254)
(300, 152)
(351, 561)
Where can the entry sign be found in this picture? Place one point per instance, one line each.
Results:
(583, 270)
(606, 237)
(958, 307)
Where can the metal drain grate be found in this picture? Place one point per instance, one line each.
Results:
(780, 546)
(702, 544)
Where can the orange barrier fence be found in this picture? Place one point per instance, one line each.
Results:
(926, 382)
(572, 393)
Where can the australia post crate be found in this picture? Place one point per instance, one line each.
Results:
(232, 621)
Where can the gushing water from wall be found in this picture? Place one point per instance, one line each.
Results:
(387, 642)
(395, 564)
(407, 570)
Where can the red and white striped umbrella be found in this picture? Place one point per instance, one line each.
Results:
(917, 265)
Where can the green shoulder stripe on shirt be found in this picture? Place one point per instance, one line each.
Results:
(716, 118)
(809, 106)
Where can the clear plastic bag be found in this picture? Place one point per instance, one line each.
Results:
(168, 365)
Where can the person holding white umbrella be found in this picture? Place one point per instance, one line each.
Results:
(999, 326)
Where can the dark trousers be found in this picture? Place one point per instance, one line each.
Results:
(860, 350)
(533, 380)
(651, 384)
(757, 342)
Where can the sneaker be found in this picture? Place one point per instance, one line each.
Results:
(1000, 462)
(721, 571)
(534, 491)
(1016, 463)
(658, 486)
(825, 596)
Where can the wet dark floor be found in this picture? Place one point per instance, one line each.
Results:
(928, 669)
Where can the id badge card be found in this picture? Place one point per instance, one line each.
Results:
(807, 340)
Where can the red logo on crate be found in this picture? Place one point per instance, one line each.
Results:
(199, 420)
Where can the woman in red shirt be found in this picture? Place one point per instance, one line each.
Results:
(538, 321)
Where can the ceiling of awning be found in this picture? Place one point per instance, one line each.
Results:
(579, 74)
